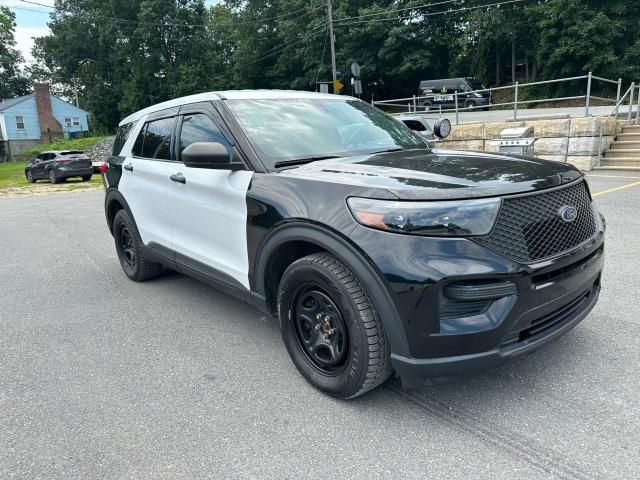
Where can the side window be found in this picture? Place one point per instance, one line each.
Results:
(137, 147)
(157, 139)
(121, 137)
(198, 127)
(154, 140)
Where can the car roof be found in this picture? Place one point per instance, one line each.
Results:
(231, 95)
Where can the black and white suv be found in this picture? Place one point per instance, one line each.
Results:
(376, 253)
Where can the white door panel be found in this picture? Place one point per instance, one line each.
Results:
(146, 188)
(209, 217)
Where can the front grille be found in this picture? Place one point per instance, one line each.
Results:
(530, 229)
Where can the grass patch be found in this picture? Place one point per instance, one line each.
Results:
(12, 176)
(64, 144)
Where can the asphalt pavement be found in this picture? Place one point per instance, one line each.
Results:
(104, 378)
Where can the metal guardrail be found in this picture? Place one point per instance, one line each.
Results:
(630, 120)
(413, 103)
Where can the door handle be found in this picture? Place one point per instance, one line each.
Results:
(178, 178)
(128, 167)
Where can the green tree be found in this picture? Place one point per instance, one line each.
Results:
(12, 82)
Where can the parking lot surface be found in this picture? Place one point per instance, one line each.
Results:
(101, 377)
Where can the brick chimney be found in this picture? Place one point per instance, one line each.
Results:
(50, 129)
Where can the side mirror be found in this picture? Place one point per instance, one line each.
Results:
(210, 155)
(442, 128)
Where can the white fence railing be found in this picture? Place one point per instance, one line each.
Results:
(416, 103)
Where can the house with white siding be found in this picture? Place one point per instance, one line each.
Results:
(37, 118)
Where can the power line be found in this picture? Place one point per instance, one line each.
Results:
(324, 48)
(417, 7)
(290, 44)
(423, 15)
(188, 25)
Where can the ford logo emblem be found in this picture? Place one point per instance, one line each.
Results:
(568, 213)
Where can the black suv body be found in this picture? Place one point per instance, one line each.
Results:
(469, 92)
(386, 256)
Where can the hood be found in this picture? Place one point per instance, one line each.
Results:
(440, 174)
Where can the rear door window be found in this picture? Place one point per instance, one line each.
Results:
(154, 140)
(157, 139)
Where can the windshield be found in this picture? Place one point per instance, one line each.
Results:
(476, 85)
(285, 130)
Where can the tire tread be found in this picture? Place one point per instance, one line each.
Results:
(378, 364)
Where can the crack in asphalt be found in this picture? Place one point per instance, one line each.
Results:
(519, 446)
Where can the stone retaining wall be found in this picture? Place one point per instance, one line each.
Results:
(573, 140)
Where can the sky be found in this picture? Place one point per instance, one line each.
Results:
(32, 20)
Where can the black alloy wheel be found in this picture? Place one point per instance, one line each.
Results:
(320, 330)
(30, 178)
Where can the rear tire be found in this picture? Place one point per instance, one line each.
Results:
(52, 177)
(427, 106)
(86, 178)
(130, 250)
(331, 328)
(30, 178)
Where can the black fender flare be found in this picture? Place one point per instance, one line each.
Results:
(349, 254)
(112, 195)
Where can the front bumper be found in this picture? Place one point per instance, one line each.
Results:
(416, 372)
(547, 300)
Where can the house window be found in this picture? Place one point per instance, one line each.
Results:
(20, 122)
(72, 122)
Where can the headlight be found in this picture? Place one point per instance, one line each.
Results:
(478, 95)
(456, 218)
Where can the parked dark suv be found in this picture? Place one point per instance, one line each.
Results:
(57, 166)
(375, 252)
(469, 92)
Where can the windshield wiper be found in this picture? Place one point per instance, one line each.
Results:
(302, 161)
(388, 150)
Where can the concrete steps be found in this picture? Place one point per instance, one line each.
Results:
(624, 152)
(625, 145)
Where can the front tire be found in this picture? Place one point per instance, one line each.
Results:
(331, 328)
(130, 250)
(471, 105)
(30, 178)
(86, 178)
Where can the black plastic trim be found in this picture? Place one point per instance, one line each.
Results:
(204, 273)
(470, 293)
(348, 254)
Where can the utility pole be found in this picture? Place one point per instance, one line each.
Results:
(75, 90)
(333, 46)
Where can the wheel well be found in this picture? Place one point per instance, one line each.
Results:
(280, 259)
(114, 207)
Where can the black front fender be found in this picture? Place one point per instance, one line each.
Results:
(349, 254)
